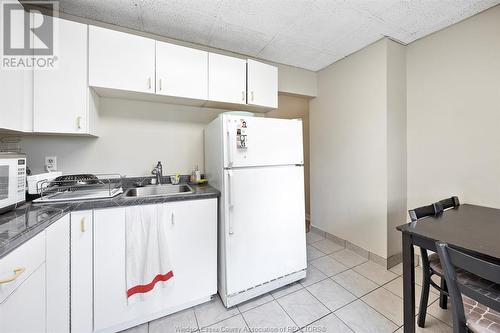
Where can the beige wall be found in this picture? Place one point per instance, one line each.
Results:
(396, 144)
(291, 107)
(454, 113)
(348, 149)
(133, 136)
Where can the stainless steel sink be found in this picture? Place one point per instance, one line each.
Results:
(158, 190)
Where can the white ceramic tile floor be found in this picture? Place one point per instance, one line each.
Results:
(365, 298)
(313, 253)
(328, 265)
(313, 275)
(355, 283)
(327, 246)
(348, 258)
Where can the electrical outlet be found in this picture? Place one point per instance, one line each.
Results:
(51, 163)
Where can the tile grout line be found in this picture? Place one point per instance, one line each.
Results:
(279, 304)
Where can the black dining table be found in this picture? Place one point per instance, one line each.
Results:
(469, 227)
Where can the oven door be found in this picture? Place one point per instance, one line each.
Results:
(8, 182)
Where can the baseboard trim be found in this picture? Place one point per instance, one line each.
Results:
(386, 263)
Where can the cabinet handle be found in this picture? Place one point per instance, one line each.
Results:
(149, 83)
(251, 96)
(172, 217)
(79, 122)
(17, 273)
(82, 224)
(159, 85)
(242, 96)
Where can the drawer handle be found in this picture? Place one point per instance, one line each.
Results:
(82, 225)
(79, 122)
(17, 273)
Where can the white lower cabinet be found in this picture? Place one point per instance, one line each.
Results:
(57, 267)
(34, 283)
(24, 310)
(192, 243)
(81, 272)
(22, 288)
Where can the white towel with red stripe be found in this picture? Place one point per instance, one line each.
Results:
(147, 257)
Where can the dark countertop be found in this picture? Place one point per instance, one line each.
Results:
(23, 223)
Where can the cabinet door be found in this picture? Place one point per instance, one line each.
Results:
(81, 272)
(60, 95)
(192, 246)
(57, 267)
(16, 89)
(262, 84)
(226, 79)
(181, 71)
(118, 60)
(24, 310)
(192, 241)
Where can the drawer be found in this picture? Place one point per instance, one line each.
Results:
(20, 264)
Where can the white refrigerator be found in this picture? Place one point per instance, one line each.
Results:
(258, 166)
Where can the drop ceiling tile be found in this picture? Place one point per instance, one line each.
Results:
(304, 33)
(186, 25)
(269, 17)
(124, 13)
(324, 24)
(324, 59)
(237, 39)
(285, 51)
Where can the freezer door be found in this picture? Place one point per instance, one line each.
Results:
(258, 141)
(264, 225)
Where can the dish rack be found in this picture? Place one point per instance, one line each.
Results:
(80, 187)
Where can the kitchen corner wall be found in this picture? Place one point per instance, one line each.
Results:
(357, 177)
(454, 113)
(133, 136)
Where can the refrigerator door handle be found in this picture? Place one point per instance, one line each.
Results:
(230, 200)
(229, 145)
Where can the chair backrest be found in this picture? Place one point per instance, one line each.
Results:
(433, 209)
(430, 210)
(452, 202)
(480, 290)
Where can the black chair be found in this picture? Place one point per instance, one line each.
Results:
(476, 299)
(430, 263)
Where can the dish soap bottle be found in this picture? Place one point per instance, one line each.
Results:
(195, 175)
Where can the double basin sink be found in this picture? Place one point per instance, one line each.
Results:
(158, 190)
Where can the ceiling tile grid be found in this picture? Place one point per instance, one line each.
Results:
(310, 34)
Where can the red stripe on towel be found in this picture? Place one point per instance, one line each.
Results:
(144, 288)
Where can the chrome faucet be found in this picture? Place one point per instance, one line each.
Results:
(158, 172)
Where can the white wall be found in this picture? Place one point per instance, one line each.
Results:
(348, 149)
(454, 113)
(133, 136)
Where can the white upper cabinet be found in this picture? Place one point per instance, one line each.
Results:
(60, 95)
(121, 61)
(16, 91)
(226, 79)
(181, 71)
(262, 84)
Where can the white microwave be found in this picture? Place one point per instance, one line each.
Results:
(12, 181)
